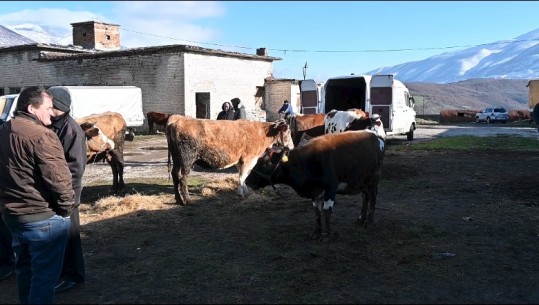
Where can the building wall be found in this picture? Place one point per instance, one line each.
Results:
(162, 77)
(276, 92)
(224, 78)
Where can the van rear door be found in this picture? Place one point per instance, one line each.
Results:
(381, 99)
(309, 96)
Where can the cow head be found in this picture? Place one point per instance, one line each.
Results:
(96, 140)
(267, 167)
(284, 137)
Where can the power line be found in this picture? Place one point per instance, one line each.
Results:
(342, 51)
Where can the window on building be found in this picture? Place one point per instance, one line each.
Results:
(2, 91)
(14, 90)
(203, 105)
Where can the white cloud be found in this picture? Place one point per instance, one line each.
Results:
(55, 18)
(142, 23)
(186, 10)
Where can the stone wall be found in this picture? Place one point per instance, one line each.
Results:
(169, 80)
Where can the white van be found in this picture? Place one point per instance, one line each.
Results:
(87, 100)
(376, 94)
(7, 105)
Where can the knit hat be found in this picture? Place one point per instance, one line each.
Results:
(61, 98)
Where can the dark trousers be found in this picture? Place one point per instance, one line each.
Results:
(7, 256)
(73, 268)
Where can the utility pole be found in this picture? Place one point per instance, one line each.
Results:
(304, 70)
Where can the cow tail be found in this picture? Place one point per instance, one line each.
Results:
(169, 148)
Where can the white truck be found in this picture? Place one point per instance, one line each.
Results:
(87, 100)
(375, 94)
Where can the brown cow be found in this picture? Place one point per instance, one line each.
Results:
(306, 125)
(348, 162)
(157, 118)
(218, 144)
(105, 135)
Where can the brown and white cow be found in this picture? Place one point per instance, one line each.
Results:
(156, 118)
(348, 163)
(218, 144)
(105, 134)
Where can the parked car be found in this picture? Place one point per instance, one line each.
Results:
(492, 114)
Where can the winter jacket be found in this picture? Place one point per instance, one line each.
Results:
(239, 112)
(35, 182)
(73, 140)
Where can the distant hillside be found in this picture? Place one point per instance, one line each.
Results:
(470, 94)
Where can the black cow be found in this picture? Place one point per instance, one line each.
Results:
(348, 163)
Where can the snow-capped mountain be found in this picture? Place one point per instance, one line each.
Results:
(10, 38)
(43, 34)
(510, 59)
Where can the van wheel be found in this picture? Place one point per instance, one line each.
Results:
(410, 134)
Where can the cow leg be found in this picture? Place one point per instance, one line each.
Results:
(365, 204)
(326, 215)
(373, 191)
(117, 165)
(317, 233)
(369, 205)
(179, 178)
(150, 127)
(244, 168)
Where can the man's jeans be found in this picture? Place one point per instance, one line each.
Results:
(39, 247)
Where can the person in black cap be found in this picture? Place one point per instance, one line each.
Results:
(73, 141)
(286, 110)
(239, 109)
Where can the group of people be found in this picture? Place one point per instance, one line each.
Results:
(233, 110)
(42, 162)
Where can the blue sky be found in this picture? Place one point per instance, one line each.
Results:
(333, 38)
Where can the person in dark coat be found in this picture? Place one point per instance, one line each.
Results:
(227, 113)
(239, 109)
(73, 141)
(36, 195)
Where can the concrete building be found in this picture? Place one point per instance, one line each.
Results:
(183, 79)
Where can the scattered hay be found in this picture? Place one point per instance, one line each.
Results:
(110, 207)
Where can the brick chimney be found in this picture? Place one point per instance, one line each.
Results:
(96, 35)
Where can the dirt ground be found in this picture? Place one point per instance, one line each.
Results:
(448, 228)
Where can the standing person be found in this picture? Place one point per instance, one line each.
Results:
(36, 195)
(286, 110)
(239, 109)
(7, 257)
(227, 113)
(73, 141)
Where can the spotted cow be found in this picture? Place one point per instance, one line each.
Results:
(105, 134)
(337, 120)
(219, 144)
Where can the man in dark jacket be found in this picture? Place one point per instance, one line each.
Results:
(73, 141)
(36, 195)
(239, 109)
